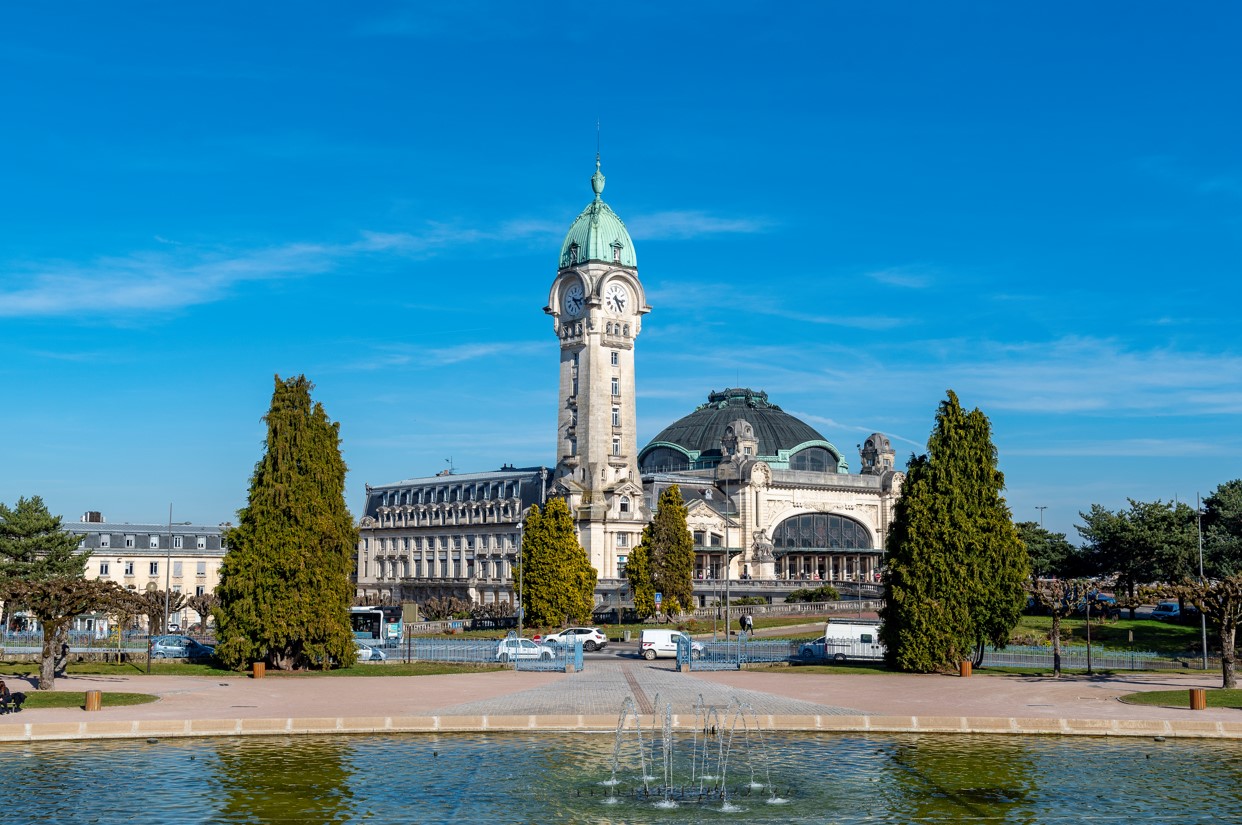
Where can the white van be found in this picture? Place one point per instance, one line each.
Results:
(663, 643)
(845, 639)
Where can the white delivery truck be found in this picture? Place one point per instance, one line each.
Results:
(846, 639)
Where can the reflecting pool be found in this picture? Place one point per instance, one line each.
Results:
(503, 778)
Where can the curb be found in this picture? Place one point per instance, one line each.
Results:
(582, 723)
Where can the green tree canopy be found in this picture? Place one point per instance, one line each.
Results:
(1147, 543)
(1222, 530)
(670, 548)
(638, 574)
(1050, 553)
(284, 585)
(956, 567)
(557, 579)
(34, 545)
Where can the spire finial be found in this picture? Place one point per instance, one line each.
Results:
(597, 180)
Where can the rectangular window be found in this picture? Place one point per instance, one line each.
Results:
(202, 569)
(176, 588)
(202, 542)
(616, 386)
(177, 542)
(616, 416)
(200, 590)
(129, 568)
(177, 569)
(105, 540)
(615, 357)
(103, 568)
(623, 539)
(616, 446)
(621, 560)
(153, 542)
(129, 541)
(155, 568)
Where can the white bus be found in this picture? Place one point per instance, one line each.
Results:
(379, 626)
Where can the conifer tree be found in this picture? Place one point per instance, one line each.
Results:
(670, 551)
(284, 585)
(638, 573)
(33, 544)
(558, 581)
(956, 567)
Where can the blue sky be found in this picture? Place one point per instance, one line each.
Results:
(853, 206)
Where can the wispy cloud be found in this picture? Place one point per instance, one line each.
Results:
(908, 277)
(1122, 448)
(663, 226)
(759, 303)
(178, 276)
(1178, 173)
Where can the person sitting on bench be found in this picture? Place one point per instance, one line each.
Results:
(10, 702)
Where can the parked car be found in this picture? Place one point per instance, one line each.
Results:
(592, 638)
(514, 648)
(1166, 611)
(663, 643)
(366, 653)
(180, 647)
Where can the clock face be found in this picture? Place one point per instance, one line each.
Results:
(573, 300)
(616, 298)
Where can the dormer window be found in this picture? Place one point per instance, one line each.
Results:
(616, 251)
(573, 253)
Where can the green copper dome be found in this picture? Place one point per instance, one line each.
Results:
(598, 234)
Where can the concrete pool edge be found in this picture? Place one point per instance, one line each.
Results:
(583, 723)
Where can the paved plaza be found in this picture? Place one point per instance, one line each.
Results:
(789, 699)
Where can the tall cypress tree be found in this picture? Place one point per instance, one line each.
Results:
(956, 567)
(284, 585)
(558, 581)
(638, 573)
(670, 549)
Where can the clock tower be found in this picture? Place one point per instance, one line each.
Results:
(597, 304)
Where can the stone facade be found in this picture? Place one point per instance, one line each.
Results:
(184, 558)
(771, 503)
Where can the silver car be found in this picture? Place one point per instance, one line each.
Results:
(180, 647)
(510, 649)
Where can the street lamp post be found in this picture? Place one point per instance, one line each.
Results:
(1041, 510)
(168, 569)
(521, 576)
(1202, 615)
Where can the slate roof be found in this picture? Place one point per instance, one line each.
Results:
(702, 430)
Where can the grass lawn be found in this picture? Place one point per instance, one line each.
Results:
(1148, 633)
(36, 699)
(1219, 698)
(798, 667)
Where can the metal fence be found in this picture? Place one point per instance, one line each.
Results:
(1075, 658)
(485, 651)
(733, 653)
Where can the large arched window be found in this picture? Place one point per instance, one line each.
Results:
(664, 459)
(820, 531)
(815, 459)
